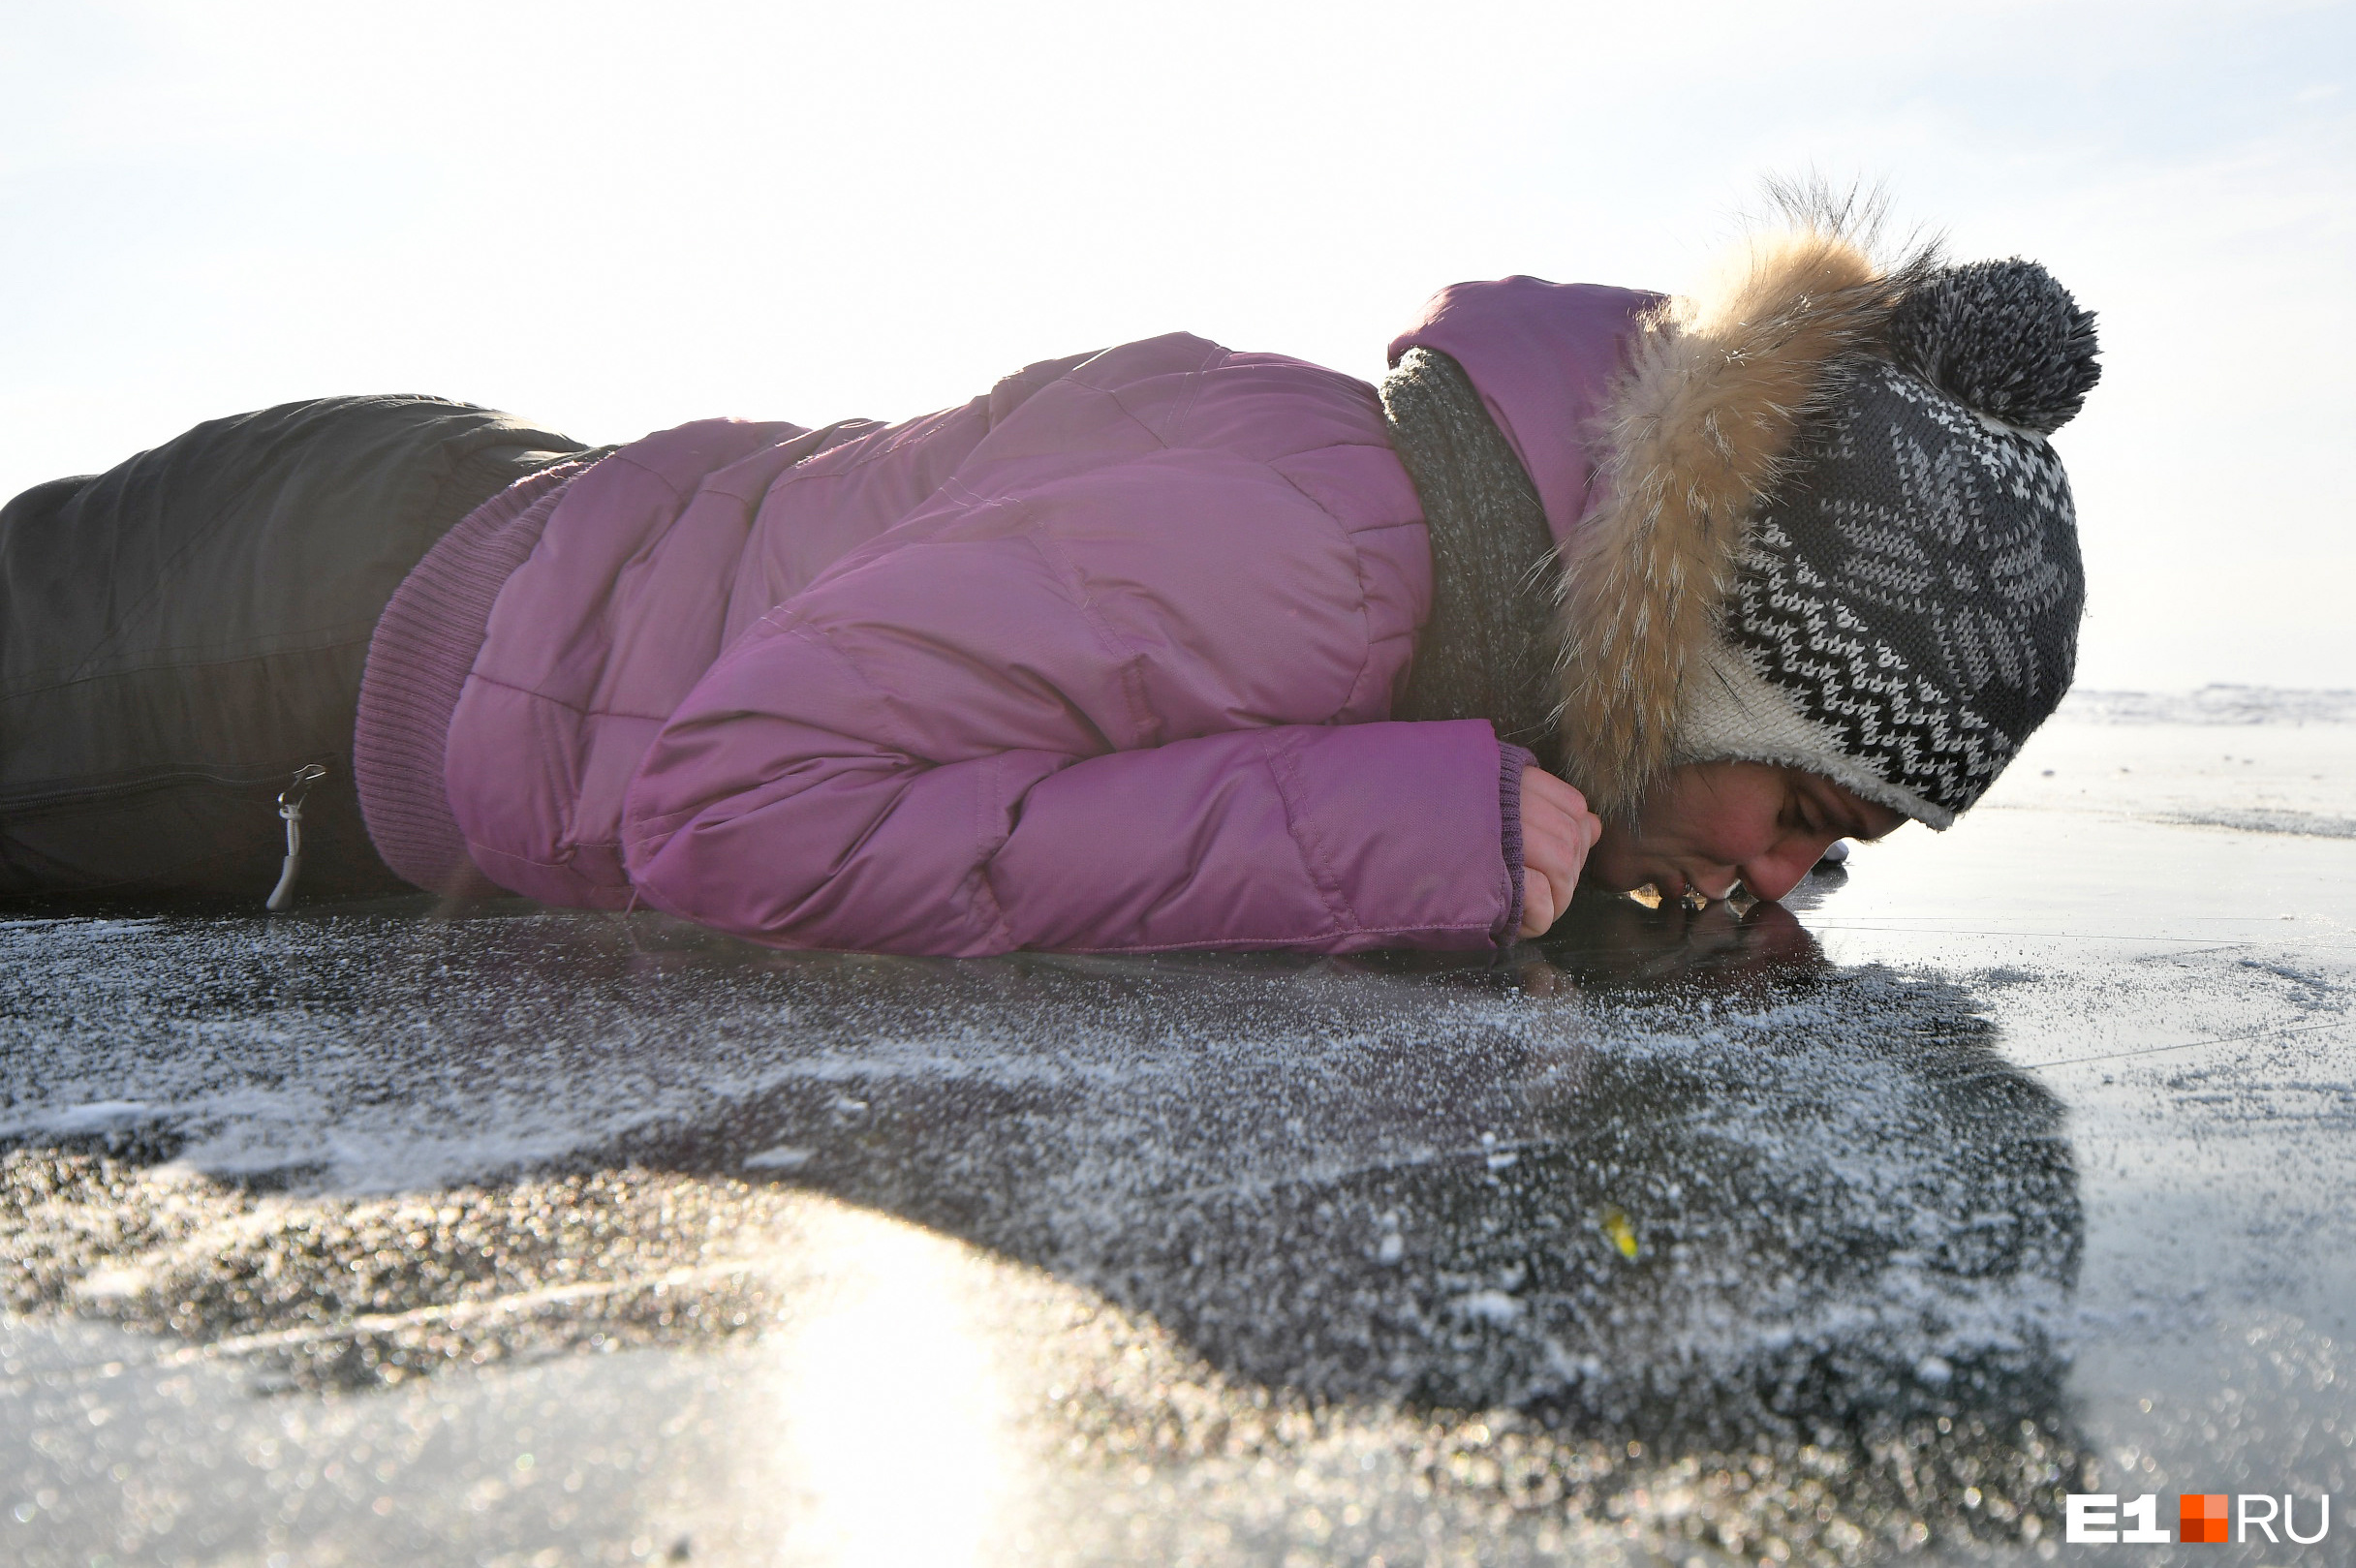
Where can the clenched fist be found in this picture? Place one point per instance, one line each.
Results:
(1558, 830)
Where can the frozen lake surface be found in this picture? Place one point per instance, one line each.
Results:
(2003, 1163)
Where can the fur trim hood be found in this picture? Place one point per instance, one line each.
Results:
(1685, 413)
(1717, 388)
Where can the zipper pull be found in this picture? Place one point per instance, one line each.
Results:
(289, 807)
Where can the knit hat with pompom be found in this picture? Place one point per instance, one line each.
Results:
(1906, 609)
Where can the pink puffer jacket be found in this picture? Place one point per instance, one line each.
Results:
(1101, 660)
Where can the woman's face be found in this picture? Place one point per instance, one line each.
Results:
(1711, 824)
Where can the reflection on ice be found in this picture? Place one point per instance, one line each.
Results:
(1848, 1205)
(894, 1418)
(1578, 1233)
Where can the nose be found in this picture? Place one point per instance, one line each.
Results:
(1778, 870)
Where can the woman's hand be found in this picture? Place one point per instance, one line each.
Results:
(1558, 830)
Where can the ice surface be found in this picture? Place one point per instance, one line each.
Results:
(2212, 705)
(2000, 1163)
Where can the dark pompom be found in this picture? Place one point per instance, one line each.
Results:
(2001, 337)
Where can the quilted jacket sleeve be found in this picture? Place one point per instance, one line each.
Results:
(1116, 685)
(789, 800)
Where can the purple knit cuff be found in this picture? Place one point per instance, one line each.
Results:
(1511, 760)
(425, 646)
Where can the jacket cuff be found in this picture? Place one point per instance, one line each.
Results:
(1511, 760)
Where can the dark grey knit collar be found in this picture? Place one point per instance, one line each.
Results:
(1488, 651)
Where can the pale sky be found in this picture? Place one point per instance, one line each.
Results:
(616, 218)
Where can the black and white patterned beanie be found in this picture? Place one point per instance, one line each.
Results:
(1891, 580)
(1906, 611)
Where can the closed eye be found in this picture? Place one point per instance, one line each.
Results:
(1838, 822)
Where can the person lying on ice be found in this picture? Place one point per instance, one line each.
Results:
(1167, 646)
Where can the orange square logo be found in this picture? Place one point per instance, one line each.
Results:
(2200, 1516)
